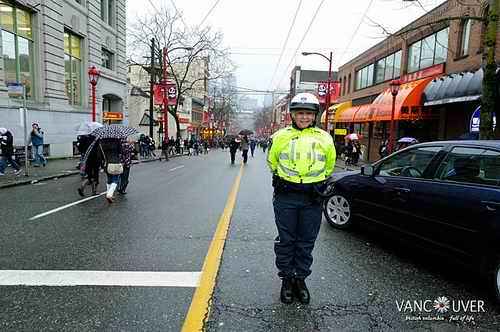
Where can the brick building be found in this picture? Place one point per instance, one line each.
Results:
(438, 62)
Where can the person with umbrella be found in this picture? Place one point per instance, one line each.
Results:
(109, 140)
(301, 158)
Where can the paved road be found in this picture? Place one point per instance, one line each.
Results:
(166, 223)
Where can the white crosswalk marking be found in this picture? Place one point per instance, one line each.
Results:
(98, 278)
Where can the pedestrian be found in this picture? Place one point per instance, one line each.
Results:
(91, 166)
(165, 144)
(126, 160)
(301, 158)
(253, 144)
(111, 150)
(264, 145)
(244, 148)
(233, 147)
(7, 152)
(382, 150)
(36, 138)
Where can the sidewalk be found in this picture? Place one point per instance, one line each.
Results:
(56, 168)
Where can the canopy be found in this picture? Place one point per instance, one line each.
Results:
(336, 109)
(347, 115)
(408, 98)
(453, 88)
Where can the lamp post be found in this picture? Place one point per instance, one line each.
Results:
(394, 86)
(94, 75)
(327, 101)
(165, 94)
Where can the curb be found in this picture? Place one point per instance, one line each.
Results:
(66, 174)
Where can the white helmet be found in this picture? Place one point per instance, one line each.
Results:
(304, 102)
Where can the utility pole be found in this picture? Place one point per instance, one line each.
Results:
(151, 88)
(489, 101)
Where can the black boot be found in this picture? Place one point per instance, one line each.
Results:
(81, 190)
(94, 188)
(301, 291)
(286, 295)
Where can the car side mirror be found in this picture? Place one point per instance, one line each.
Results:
(367, 170)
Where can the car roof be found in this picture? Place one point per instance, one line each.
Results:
(474, 143)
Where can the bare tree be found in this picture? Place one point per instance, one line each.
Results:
(194, 55)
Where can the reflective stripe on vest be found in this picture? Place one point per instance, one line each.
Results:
(315, 173)
(321, 157)
(288, 171)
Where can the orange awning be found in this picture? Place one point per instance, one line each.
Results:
(364, 113)
(347, 115)
(407, 100)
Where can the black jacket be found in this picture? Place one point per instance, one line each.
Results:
(111, 147)
(7, 144)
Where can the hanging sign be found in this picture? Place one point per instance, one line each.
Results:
(475, 120)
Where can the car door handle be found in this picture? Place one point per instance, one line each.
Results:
(402, 190)
(491, 206)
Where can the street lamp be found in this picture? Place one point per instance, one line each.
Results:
(394, 86)
(94, 75)
(327, 101)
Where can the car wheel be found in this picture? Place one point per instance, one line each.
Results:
(338, 211)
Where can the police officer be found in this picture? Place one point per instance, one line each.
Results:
(301, 158)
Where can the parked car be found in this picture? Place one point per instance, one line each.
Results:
(444, 196)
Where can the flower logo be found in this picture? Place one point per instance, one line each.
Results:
(442, 304)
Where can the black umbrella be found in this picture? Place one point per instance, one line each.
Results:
(246, 132)
(113, 131)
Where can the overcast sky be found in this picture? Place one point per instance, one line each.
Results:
(256, 30)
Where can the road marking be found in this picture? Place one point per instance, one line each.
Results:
(65, 206)
(98, 278)
(173, 169)
(199, 309)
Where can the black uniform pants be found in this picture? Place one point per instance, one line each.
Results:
(298, 219)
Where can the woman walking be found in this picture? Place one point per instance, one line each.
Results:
(244, 148)
(111, 149)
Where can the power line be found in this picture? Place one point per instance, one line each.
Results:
(302, 40)
(209, 12)
(284, 44)
(356, 31)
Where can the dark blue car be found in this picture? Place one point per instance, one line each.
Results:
(442, 195)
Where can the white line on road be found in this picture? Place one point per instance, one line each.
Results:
(173, 169)
(65, 206)
(98, 278)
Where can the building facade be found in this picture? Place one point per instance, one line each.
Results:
(438, 64)
(48, 47)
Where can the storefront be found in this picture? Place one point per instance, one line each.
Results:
(455, 97)
(372, 120)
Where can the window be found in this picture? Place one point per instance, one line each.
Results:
(410, 163)
(428, 51)
(349, 84)
(17, 46)
(364, 77)
(107, 59)
(388, 68)
(108, 11)
(471, 165)
(380, 71)
(72, 68)
(465, 35)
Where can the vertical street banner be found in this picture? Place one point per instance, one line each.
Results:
(322, 87)
(323, 90)
(158, 94)
(171, 93)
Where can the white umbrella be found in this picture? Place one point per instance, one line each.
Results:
(352, 136)
(86, 128)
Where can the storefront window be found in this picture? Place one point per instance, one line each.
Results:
(73, 68)
(17, 46)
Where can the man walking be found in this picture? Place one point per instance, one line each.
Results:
(253, 144)
(233, 147)
(301, 158)
(7, 151)
(36, 138)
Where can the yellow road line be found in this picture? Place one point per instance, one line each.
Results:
(199, 310)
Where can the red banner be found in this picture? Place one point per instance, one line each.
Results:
(334, 91)
(159, 93)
